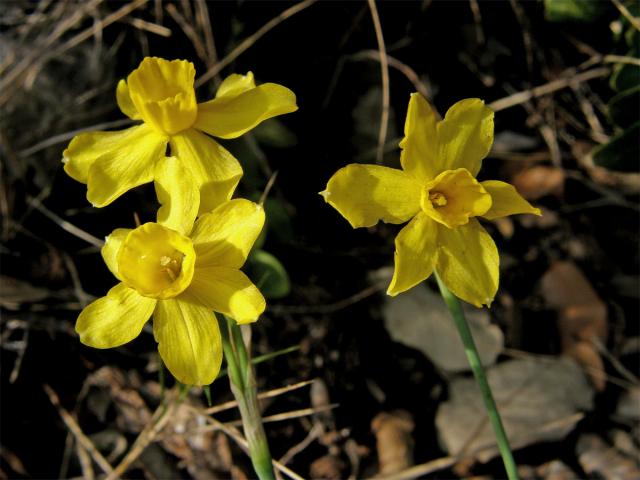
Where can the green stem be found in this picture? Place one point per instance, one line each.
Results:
(478, 371)
(243, 387)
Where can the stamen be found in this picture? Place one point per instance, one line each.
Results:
(437, 199)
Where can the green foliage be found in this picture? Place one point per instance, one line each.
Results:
(268, 274)
(623, 107)
(273, 133)
(621, 152)
(574, 10)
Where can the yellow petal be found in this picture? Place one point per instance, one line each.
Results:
(214, 169)
(366, 194)
(415, 254)
(188, 339)
(465, 135)
(224, 237)
(178, 193)
(230, 116)
(111, 163)
(453, 197)
(506, 200)
(124, 101)
(467, 262)
(235, 84)
(114, 320)
(163, 94)
(228, 291)
(420, 154)
(111, 248)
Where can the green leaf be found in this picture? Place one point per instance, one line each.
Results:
(622, 152)
(268, 274)
(574, 10)
(207, 393)
(623, 108)
(273, 133)
(625, 76)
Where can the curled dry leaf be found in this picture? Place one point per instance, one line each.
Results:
(14, 292)
(539, 400)
(328, 467)
(600, 460)
(394, 441)
(582, 316)
(539, 181)
(555, 470)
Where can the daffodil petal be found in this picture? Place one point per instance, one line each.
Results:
(366, 194)
(230, 116)
(224, 237)
(214, 169)
(468, 262)
(420, 156)
(465, 135)
(188, 339)
(124, 101)
(110, 163)
(506, 200)
(415, 254)
(114, 320)
(111, 248)
(228, 291)
(235, 84)
(178, 194)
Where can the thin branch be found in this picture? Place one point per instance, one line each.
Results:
(237, 437)
(249, 41)
(403, 68)
(384, 67)
(73, 426)
(627, 14)
(261, 396)
(526, 95)
(69, 227)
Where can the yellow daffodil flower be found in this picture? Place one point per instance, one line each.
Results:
(179, 273)
(161, 94)
(437, 191)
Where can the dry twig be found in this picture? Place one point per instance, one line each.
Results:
(73, 426)
(249, 41)
(384, 67)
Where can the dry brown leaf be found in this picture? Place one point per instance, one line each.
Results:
(536, 182)
(420, 319)
(394, 441)
(555, 470)
(328, 467)
(582, 316)
(539, 400)
(14, 292)
(600, 460)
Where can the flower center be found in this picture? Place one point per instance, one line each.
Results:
(156, 261)
(453, 197)
(162, 92)
(437, 199)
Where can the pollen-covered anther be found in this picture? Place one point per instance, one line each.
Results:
(437, 199)
(453, 197)
(156, 261)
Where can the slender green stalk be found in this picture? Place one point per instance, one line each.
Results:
(478, 371)
(243, 387)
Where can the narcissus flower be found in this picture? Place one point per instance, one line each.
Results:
(437, 191)
(179, 273)
(161, 94)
